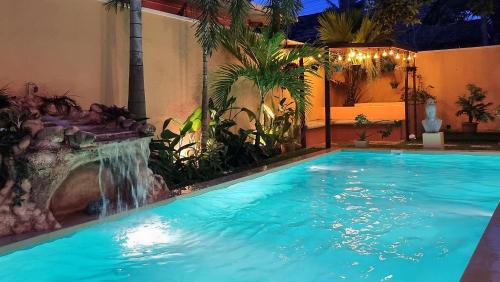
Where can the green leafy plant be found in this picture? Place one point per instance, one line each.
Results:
(264, 61)
(422, 93)
(473, 105)
(239, 148)
(351, 85)
(62, 103)
(277, 129)
(364, 124)
(350, 26)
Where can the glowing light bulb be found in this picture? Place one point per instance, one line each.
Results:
(375, 56)
(319, 55)
(349, 59)
(397, 57)
(409, 58)
(352, 54)
(384, 54)
(415, 55)
(339, 58)
(391, 52)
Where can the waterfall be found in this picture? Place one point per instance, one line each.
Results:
(123, 179)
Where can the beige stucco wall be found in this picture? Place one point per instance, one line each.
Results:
(77, 46)
(449, 71)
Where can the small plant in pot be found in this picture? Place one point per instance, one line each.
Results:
(364, 124)
(474, 107)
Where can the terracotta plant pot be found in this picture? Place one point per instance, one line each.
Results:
(469, 127)
(361, 143)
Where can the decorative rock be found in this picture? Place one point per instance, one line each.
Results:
(42, 159)
(120, 119)
(96, 108)
(51, 109)
(94, 117)
(75, 113)
(127, 123)
(53, 134)
(25, 142)
(147, 129)
(135, 126)
(71, 130)
(21, 227)
(46, 145)
(26, 186)
(81, 139)
(33, 126)
(157, 189)
(6, 222)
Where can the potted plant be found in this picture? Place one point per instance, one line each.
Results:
(364, 125)
(474, 107)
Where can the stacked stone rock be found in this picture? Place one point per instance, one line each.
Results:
(20, 214)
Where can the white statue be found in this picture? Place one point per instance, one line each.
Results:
(431, 123)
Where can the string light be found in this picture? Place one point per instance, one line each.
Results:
(409, 58)
(397, 56)
(384, 54)
(352, 54)
(391, 52)
(339, 58)
(319, 55)
(375, 56)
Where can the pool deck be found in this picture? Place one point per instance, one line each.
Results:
(484, 264)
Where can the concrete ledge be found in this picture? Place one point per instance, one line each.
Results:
(484, 264)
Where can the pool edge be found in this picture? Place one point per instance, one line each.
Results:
(484, 264)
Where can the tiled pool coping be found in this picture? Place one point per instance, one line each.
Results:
(484, 265)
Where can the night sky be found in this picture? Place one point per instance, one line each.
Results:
(310, 6)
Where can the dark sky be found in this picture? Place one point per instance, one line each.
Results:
(310, 6)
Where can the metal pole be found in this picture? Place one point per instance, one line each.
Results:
(303, 128)
(328, 133)
(407, 122)
(415, 123)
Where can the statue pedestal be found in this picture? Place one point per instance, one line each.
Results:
(433, 140)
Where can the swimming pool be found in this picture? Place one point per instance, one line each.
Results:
(354, 216)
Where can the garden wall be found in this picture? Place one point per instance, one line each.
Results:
(449, 71)
(77, 46)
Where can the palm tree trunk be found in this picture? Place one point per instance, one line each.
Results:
(258, 125)
(275, 16)
(484, 31)
(204, 103)
(136, 93)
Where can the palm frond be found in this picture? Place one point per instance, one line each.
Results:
(117, 4)
(337, 27)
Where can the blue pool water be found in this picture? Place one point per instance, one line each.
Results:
(341, 217)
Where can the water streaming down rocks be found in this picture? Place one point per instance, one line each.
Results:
(124, 177)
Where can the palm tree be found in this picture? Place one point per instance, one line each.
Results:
(136, 93)
(282, 13)
(350, 26)
(208, 31)
(264, 62)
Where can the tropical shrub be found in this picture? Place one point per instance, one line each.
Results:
(473, 105)
(265, 62)
(364, 124)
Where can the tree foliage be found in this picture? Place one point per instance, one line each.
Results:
(390, 13)
(349, 27)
